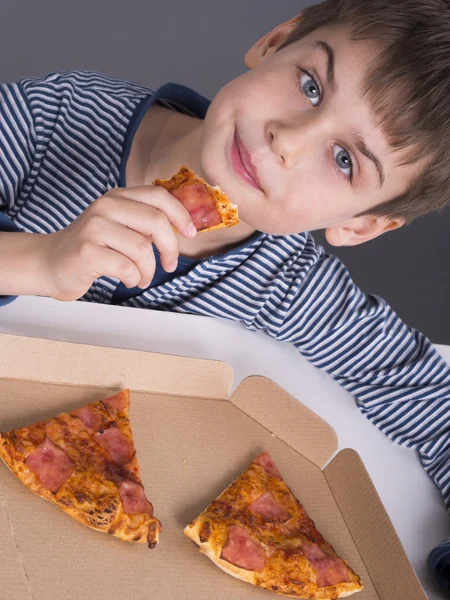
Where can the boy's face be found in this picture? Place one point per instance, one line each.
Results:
(300, 124)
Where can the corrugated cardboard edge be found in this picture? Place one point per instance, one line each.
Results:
(285, 417)
(371, 529)
(11, 559)
(64, 362)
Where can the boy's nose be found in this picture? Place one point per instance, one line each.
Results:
(292, 140)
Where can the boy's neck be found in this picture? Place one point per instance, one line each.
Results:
(164, 140)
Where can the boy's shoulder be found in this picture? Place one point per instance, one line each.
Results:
(296, 249)
(298, 258)
(66, 132)
(287, 257)
(67, 81)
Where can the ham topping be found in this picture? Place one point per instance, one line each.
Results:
(330, 570)
(51, 464)
(269, 509)
(199, 203)
(134, 499)
(91, 419)
(118, 401)
(242, 551)
(269, 466)
(113, 440)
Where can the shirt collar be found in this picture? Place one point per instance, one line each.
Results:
(183, 99)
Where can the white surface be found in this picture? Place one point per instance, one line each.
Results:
(412, 501)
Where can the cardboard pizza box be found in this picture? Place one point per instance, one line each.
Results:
(192, 440)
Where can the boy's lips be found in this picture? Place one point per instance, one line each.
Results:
(242, 162)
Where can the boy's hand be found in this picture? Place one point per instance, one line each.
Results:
(114, 237)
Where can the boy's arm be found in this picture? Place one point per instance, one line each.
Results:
(5, 225)
(112, 237)
(20, 264)
(17, 150)
(398, 379)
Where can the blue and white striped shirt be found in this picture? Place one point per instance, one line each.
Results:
(64, 141)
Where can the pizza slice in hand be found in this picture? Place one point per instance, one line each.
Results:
(257, 531)
(85, 463)
(208, 206)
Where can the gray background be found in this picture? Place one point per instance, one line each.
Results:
(202, 44)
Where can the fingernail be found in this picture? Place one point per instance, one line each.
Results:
(191, 230)
(171, 268)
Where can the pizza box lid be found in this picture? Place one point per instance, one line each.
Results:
(192, 440)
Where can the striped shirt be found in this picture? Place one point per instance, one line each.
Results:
(65, 140)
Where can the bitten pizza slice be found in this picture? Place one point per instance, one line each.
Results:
(257, 531)
(85, 463)
(208, 206)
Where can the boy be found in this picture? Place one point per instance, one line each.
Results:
(338, 124)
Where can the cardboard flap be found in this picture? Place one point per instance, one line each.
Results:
(76, 364)
(285, 417)
(371, 529)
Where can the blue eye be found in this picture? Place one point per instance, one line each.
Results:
(343, 160)
(310, 88)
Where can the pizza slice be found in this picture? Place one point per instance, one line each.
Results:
(85, 463)
(257, 531)
(208, 206)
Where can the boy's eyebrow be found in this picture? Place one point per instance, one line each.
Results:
(329, 51)
(359, 141)
(361, 145)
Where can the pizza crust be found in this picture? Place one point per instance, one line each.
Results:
(311, 591)
(213, 550)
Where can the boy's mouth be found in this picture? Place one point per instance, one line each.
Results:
(242, 162)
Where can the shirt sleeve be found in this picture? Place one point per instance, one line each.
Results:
(400, 383)
(17, 146)
(17, 151)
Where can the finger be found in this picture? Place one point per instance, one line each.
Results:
(158, 198)
(147, 278)
(110, 263)
(137, 247)
(165, 240)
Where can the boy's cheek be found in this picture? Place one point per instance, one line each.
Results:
(248, 91)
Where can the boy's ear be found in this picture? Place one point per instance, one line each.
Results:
(270, 42)
(361, 229)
